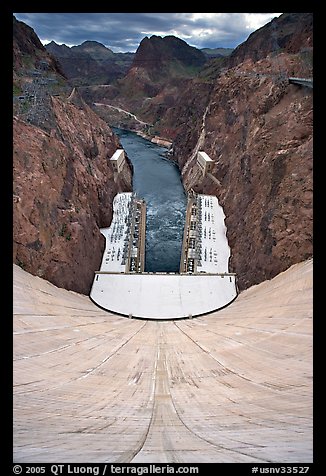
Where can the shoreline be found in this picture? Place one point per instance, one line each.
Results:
(158, 140)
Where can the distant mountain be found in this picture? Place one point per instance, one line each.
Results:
(216, 52)
(95, 49)
(91, 62)
(159, 64)
(56, 50)
(159, 72)
(167, 56)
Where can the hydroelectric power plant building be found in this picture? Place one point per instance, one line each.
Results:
(118, 160)
(204, 161)
(203, 284)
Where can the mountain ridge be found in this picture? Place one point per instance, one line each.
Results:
(90, 62)
(217, 52)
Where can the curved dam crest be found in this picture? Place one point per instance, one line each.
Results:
(231, 387)
(180, 269)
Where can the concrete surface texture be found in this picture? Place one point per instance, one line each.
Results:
(232, 386)
(159, 296)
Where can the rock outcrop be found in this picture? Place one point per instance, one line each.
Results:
(167, 57)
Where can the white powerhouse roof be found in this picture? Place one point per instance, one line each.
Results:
(204, 156)
(159, 296)
(118, 155)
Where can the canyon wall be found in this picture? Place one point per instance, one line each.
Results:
(241, 110)
(63, 182)
(258, 129)
(254, 124)
(63, 190)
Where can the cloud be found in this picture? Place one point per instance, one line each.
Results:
(124, 31)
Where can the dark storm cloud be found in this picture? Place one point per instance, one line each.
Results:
(124, 31)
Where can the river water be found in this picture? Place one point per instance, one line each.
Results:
(157, 180)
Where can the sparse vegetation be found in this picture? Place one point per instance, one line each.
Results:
(64, 233)
(16, 90)
(63, 229)
(27, 60)
(25, 106)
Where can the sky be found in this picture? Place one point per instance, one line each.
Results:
(123, 32)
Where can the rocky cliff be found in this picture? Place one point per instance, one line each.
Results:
(160, 68)
(290, 33)
(63, 181)
(258, 130)
(63, 191)
(29, 53)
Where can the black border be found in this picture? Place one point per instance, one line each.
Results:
(6, 191)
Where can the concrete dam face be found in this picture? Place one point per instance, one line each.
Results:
(231, 386)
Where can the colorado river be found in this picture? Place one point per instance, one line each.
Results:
(157, 180)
